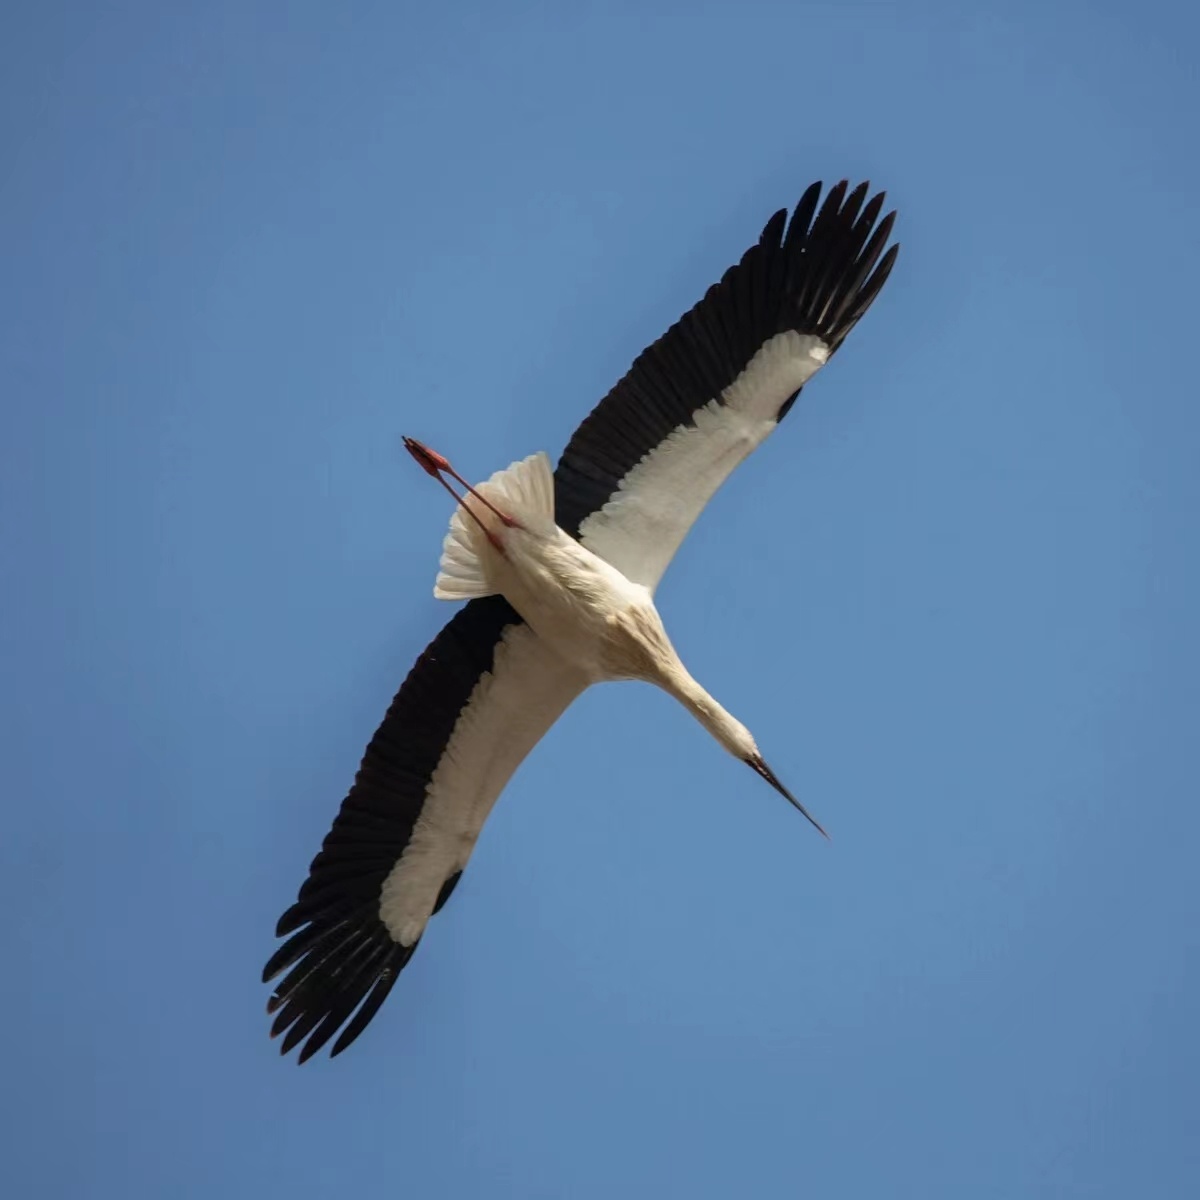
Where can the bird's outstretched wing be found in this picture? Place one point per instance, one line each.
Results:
(642, 466)
(475, 703)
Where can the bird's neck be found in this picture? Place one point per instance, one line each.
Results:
(726, 728)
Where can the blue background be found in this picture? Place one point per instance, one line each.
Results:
(247, 246)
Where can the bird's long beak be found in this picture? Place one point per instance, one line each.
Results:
(761, 767)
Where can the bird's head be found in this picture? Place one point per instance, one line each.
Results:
(739, 741)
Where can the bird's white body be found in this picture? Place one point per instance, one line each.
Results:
(578, 604)
(582, 607)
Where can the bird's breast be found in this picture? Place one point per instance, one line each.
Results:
(590, 613)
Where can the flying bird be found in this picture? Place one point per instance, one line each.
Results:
(559, 570)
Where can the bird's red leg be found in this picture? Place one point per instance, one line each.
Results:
(434, 464)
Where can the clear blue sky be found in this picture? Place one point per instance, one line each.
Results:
(247, 246)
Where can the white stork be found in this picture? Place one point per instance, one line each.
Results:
(559, 572)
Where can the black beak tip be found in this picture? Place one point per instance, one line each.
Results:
(756, 762)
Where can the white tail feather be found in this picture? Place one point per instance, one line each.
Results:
(525, 492)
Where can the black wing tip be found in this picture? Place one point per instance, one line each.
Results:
(834, 264)
(335, 987)
(289, 922)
